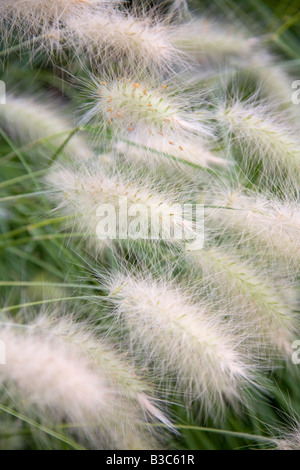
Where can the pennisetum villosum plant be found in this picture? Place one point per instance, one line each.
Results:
(153, 104)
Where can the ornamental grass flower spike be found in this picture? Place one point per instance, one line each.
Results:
(271, 225)
(185, 341)
(208, 41)
(265, 139)
(121, 38)
(39, 14)
(154, 116)
(150, 177)
(272, 319)
(85, 382)
(81, 192)
(41, 24)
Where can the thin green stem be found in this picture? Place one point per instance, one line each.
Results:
(47, 284)
(46, 301)
(21, 196)
(241, 435)
(51, 236)
(21, 179)
(63, 145)
(31, 227)
(32, 144)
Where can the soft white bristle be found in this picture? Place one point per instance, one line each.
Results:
(272, 320)
(78, 377)
(119, 37)
(264, 137)
(185, 341)
(272, 225)
(81, 192)
(210, 41)
(154, 116)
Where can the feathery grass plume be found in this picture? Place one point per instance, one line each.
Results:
(272, 79)
(272, 225)
(150, 150)
(52, 378)
(183, 340)
(132, 389)
(259, 300)
(38, 15)
(81, 192)
(289, 437)
(211, 43)
(122, 38)
(70, 378)
(265, 138)
(286, 436)
(39, 25)
(181, 181)
(289, 442)
(155, 116)
(207, 41)
(28, 119)
(117, 370)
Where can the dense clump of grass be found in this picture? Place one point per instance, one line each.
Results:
(131, 342)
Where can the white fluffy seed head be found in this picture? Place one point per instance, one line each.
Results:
(258, 304)
(272, 78)
(159, 149)
(52, 378)
(152, 115)
(80, 192)
(28, 119)
(272, 225)
(264, 137)
(208, 41)
(115, 368)
(64, 372)
(39, 14)
(40, 25)
(183, 340)
(290, 440)
(121, 38)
